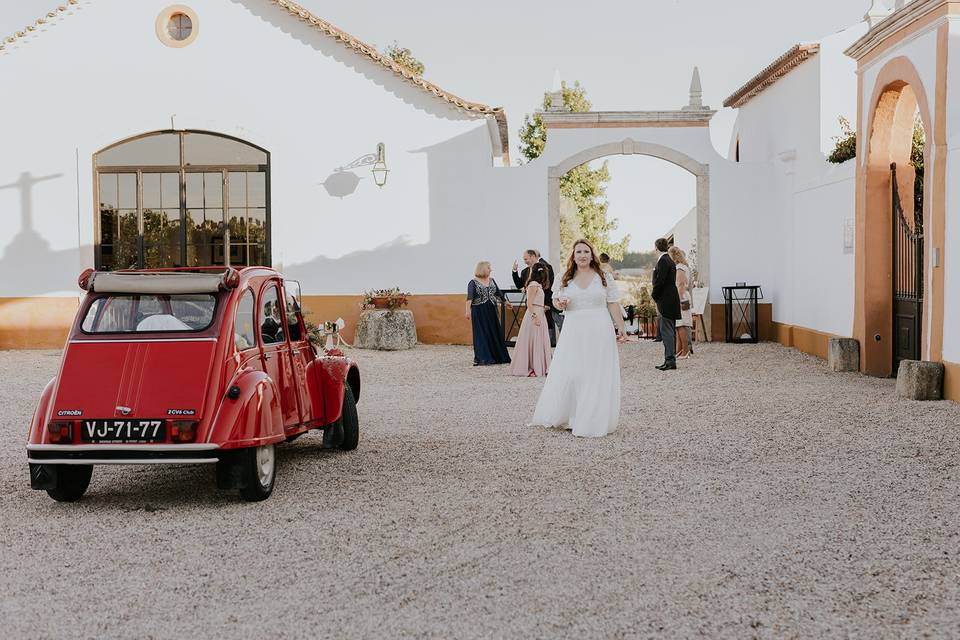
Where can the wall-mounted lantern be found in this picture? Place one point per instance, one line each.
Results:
(343, 182)
(380, 170)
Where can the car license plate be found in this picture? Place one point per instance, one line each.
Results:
(123, 430)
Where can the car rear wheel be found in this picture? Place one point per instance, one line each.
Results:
(72, 482)
(259, 468)
(350, 421)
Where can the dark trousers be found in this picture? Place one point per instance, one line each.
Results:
(551, 327)
(668, 331)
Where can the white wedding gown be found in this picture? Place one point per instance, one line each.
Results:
(582, 391)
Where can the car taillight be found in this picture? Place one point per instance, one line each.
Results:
(85, 279)
(183, 430)
(61, 432)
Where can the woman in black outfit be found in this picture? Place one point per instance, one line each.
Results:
(483, 295)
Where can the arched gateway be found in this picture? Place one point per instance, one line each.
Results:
(902, 67)
(633, 147)
(681, 137)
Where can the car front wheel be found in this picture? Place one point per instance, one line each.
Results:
(72, 482)
(259, 468)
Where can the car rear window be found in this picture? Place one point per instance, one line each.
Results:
(153, 313)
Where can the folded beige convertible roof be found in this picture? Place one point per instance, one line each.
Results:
(161, 282)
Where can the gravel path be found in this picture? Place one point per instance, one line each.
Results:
(773, 499)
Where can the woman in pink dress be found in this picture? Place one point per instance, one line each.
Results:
(531, 356)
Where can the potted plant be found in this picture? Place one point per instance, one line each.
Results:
(391, 299)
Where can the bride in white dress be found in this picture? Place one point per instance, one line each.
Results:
(582, 391)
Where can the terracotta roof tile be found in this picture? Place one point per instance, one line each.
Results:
(42, 20)
(371, 52)
(780, 67)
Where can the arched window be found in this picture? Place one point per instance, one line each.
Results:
(182, 198)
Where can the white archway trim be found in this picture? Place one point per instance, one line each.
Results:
(629, 146)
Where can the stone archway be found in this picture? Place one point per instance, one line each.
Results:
(898, 95)
(629, 146)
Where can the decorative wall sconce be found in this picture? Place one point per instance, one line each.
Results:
(343, 182)
(380, 170)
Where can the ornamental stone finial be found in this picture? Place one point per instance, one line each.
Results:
(696, 93)
(879, 10)
(556, 93)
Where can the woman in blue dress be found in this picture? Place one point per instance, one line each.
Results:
(483, 295)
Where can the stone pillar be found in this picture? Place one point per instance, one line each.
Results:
(843, 354)
(386, 330)
(920, 380)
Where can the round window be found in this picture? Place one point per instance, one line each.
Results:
(179, 27)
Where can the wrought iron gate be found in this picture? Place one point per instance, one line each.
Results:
(907, 279)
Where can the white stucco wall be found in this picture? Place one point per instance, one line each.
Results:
(951, 254)
(685, 231)
(100, 75)
(838, 84)
(818, 287)
(791, 126)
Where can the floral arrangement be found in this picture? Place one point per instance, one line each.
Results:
(326, 337)
(391, 299)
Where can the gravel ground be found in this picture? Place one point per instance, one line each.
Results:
(751, 493)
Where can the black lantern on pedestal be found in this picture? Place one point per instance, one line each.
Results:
(740, 304)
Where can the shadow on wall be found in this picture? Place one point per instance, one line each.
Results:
(452, 228)
(328, 46)
(37, 269)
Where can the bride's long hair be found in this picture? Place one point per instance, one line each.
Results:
(572, 265)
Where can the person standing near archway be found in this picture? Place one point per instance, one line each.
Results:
(667, 297)
(521, 279)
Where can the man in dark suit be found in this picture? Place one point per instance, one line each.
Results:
(667, 297)
(530, 258)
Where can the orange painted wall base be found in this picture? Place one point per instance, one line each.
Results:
(951, 381)
(718, 314)
(815, 343)
(36, 323)
(43, 323)
(802, 339)
(440, 318)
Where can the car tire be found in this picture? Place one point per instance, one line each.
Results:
(72, 482)
(258, 466)
(350, 421)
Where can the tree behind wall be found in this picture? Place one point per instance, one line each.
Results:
(846, 149)
(584, 188)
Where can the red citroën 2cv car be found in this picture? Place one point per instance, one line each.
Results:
(188, 366)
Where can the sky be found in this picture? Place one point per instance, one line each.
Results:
(628, 54)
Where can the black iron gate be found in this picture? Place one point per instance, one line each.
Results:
(907, 279)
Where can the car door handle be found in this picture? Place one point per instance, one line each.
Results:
(267, 356)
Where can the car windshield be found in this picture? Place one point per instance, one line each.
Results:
(149, 313)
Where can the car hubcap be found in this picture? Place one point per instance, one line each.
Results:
(265, 460)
